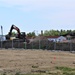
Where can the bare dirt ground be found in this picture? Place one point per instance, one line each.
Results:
(27, 61)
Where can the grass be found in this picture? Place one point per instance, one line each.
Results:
(64, 73)
(65, 68)
(67, 73)
(58, 71)
(34, 66)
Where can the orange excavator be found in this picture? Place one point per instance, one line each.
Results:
(20, 35)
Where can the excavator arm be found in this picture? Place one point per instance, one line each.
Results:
(20, 35)
(16, 28)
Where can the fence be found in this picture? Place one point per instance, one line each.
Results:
(40, 44)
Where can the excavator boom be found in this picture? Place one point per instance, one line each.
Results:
(20, 35)
(16, 28)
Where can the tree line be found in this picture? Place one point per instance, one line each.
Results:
(52, 32)
(49, 33)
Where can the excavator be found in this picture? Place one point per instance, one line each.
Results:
(20, 35)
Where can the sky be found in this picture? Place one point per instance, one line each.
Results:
(37, 15)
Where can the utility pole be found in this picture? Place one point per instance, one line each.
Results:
(2, 30)
(1, 35)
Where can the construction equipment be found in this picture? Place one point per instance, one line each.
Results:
(20, 35)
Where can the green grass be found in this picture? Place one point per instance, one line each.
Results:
(65, 68)
(67, 73)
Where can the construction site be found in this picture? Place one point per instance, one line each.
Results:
(21, 40)
(37, 37)
(37, 56)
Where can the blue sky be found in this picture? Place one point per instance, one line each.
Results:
(30, 15)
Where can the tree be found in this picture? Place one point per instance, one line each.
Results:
(46, 33)
(56, 32)
(14, 34)
(51, 33)
(31, 34)
(69, 31)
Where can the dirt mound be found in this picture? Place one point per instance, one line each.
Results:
(40, 38)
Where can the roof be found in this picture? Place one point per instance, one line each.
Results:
(43, 37)
(52, 36)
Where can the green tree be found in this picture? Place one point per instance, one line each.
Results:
(69, 31)
(14, 34)
(56, 32)
(62, 32)
(31, 34)
(51, 33)
(46, 33)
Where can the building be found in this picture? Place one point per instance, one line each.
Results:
(2, 38)
(56, 38)
(52, 38)
(61, 39)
